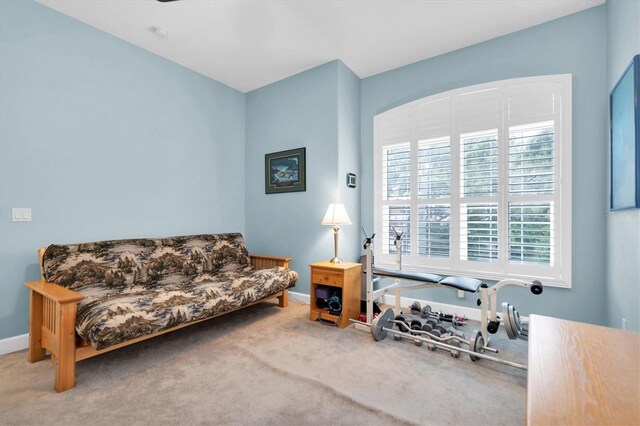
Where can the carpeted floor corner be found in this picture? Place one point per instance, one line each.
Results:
(266, 365)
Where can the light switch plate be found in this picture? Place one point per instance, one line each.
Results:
(21, 214)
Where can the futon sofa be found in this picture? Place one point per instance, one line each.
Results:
(96, 297)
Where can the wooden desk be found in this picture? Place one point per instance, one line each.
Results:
(582, 374)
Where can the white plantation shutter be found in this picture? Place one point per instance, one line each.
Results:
(531, 151)
(434, 227)
(479, 232)
(395, 136)
(434, 185)
(434, 168)
(532, 176)
(479, 163)
(396, 182)
(398, 218)
(479, 181)
(530, 233)
(396, 168)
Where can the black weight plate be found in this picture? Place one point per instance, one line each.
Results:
(427, 327)
(416, 324)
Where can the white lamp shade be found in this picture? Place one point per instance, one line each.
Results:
(336, 215)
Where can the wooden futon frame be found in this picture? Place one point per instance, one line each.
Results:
(52, 319)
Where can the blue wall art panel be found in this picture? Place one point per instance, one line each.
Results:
(625, 139)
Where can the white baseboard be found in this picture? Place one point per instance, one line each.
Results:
(473, 314)
(405, 302)
(299, 297)
(14, 344)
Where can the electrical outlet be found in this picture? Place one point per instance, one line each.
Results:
(624, 323)
(460, 294)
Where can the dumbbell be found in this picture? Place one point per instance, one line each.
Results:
(406, 324)
(415, 308)
(425, 311)
(440, 329)
(402, 327)
(432, 326)
(429, 325)
(416, 325)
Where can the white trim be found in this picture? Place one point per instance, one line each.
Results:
(470, 313)
(14, 344)
(294, 296)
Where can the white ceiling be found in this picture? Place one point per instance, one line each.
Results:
(247, 44)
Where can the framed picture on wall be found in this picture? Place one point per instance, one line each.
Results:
(625, 139)
(285, 171)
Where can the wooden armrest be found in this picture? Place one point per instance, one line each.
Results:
(54, 291)
(260, 261)
(278, 258)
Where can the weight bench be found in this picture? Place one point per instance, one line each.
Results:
(487, 300)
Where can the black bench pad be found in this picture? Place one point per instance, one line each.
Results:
(461, 283)
(408, 275)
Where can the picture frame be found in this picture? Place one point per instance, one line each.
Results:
(285, 171)
(625, 139)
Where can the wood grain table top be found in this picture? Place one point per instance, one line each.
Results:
(582, 374)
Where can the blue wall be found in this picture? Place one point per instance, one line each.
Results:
(105, 140)
(623, 227)
(304, 110)
(574, 44)
(348, 158)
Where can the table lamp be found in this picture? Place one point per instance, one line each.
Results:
(336, 215)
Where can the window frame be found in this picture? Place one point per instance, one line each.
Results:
(558, 275)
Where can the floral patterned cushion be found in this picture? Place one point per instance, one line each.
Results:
(149, 262)
(138, 287)
(108, 316)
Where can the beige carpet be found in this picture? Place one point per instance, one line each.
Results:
(266, 365)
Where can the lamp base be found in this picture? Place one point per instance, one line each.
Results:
(336, 260)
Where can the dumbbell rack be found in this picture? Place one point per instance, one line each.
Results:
(383, 325)
(433, 329)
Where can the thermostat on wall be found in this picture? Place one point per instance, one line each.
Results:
(351, 180)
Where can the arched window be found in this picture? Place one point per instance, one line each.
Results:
(479, 180)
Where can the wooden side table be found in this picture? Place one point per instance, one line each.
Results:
(344, 275)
